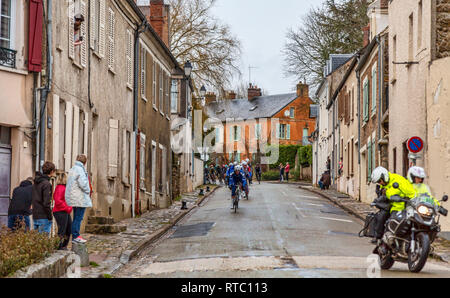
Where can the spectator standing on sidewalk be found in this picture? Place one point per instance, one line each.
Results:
(19, 210)
(281, 172)
(77, 195)
(287, 169)
(61, 212)
(42, 199)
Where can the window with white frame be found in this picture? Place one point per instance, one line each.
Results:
(283, 131)
(6, 23)
(258, 130)
(174, 97)
(292, 113)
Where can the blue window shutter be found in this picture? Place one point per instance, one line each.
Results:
(288, 134)
(278, 131)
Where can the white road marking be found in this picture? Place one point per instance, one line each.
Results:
(315, 205)
(308, 197)
(299, 210)
(336, 219)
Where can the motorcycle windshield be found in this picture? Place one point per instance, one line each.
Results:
(425, 200)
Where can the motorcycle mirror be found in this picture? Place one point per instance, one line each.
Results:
(445, 198)
(395, 185)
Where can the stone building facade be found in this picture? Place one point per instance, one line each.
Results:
(18, 97)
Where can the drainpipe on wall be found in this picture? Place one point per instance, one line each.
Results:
(46, 89)
(134, 185)
(358, 76)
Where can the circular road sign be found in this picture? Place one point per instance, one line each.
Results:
(415, 144)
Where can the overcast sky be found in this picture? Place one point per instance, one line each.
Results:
(261, 25)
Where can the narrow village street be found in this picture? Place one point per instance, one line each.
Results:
(282, 231)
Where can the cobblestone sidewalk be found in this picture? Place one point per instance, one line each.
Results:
(441, 247)
(107, 253)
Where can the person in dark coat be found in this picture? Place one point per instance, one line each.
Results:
(326, 180)
(42, 198)
(19, 210)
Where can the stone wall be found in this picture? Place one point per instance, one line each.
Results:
(55, 266)
(442, 28)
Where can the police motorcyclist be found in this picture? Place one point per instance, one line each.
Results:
(387, 180)
(237, 179)
(417, 175)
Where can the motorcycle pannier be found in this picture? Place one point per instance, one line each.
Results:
(369, 226)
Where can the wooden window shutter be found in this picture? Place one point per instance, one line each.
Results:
(36, 19)
(71, 30)
(288, 133)
(102, 29)
(113, 145)
(93, 25)
(143, 71)
(142, 161)
(278, 131)
(130, 58)
(111, 38)
(68, 138)
(154, 83)
(55, 131)
(84, 45)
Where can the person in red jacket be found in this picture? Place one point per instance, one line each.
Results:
(287, 169)
(61, 212)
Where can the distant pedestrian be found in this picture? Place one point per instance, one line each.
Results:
(19, 210)
(325, 181)
(77, 195)
(287, 170)
(61, 212)
(42, 199)
(328, 165)
(281, 172)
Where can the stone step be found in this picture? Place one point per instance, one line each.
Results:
(105, 228)
(100, 220)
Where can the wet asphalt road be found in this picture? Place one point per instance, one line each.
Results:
(282, 231)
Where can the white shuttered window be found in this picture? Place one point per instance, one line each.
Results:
(111, 39)
(113, 147)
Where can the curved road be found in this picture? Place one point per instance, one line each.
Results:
(282, 231)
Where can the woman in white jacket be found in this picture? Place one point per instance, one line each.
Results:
(77, 195)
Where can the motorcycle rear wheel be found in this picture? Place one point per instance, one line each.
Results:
(417, 261)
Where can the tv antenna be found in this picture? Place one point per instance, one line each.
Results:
(250, 73)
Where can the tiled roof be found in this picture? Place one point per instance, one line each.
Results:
(259, 107)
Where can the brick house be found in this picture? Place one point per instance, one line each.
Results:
(246, 125)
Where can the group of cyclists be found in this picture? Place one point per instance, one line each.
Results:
(241, 175)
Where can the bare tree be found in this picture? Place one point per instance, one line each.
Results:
(196, 35)
(334, 28)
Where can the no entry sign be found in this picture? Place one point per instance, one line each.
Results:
(415, 144)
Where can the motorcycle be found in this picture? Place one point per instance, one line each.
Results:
(409, 234)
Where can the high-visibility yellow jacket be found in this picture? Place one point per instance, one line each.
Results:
(405, 190)
(422, 188)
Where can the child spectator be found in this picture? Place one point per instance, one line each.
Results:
(61, 212)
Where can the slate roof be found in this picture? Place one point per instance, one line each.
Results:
(266, 107)
(336, 61)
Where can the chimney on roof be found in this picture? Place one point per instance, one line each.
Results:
(210, 97)
(158, 15)
(253, 91)
(366, 39)
(302, 90)
(231, 95)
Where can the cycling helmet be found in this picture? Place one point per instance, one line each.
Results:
(416, 172)
(244, 163)
(231, 164)
(380, 173)
(247, 160)
(237, 168)
(235, 163)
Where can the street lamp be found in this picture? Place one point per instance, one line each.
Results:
(202, 94)
(187, 68)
